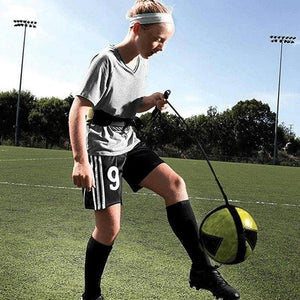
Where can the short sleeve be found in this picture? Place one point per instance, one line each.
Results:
(97, 80)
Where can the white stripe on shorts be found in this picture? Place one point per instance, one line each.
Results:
(101, 184)
(98, 193)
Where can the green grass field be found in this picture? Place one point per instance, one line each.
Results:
(44, 230)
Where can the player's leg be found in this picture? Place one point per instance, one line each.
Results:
(107, 225)
(143, 168)
(168, 184)
(105, 199)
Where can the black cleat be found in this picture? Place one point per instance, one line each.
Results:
(210, 279)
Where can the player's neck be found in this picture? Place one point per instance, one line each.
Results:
(128, 51)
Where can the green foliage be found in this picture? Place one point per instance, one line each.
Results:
(243, 133)
(44, 230)
(8, 108)
(293, 147)
(253, 126)
(43, 122)
(49, 117)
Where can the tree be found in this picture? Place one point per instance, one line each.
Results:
(199, 130)
(49, 118)
(253, 126)
(225, 144)
(214, 131)
(162, 133)
(246, 130)
(8, 108)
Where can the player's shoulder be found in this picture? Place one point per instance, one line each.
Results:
(105, 56)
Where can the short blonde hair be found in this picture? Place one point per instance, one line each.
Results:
(147, 6)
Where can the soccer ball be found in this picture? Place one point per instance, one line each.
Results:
(228, 234)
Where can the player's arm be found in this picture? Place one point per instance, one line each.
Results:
(82, 173)
(156, 99)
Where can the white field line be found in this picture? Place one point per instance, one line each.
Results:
(33, 159)
(150, 194)
(39, 185)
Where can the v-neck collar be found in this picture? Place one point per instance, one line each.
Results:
(124, 64)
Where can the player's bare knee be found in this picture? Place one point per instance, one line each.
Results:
(177, 184)
(110, 239)
(106, 235)
(114, 231)
(176, 192)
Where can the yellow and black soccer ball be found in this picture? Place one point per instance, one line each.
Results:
(228, 234)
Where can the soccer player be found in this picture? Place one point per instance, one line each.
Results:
(106, 149)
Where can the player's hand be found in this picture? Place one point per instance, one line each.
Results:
(159, 101)
(83, 176)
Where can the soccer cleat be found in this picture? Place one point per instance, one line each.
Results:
(210, 279)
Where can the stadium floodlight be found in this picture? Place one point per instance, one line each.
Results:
(282, 40)
(25, 24)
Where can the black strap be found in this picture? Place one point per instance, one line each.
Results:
(103, 118)
(240, 233)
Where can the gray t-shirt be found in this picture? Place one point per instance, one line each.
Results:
(113, 87)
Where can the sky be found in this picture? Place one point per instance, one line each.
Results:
(219, 55)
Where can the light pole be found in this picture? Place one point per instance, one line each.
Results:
(25, 24)
(282, 40)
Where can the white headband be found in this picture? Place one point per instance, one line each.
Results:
(151, 18)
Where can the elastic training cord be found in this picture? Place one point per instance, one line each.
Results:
(156, 112)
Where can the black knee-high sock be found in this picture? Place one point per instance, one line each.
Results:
(183, 222)
(95, 260)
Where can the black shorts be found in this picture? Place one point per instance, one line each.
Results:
(108, 171)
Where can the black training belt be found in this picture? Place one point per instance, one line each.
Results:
(103, 118)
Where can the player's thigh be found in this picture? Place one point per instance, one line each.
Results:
(140, 162)
(164, 181)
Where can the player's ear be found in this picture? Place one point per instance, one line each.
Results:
(136, 28)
